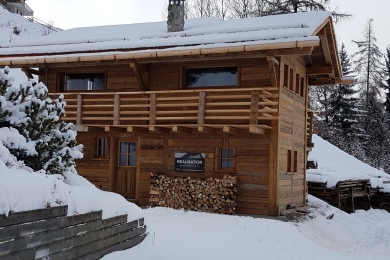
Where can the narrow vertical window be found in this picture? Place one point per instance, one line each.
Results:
(302, 86)
(289, 161)
(101, 147)
(297, 85)
(295, 161)
(226, 158)
(127, 153)
(291, 83)
(286, 71)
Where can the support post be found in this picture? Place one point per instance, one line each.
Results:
(201, 108)
(79, 119)
(152, 116)
(116, 109)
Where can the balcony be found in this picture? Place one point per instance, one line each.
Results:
(21, 6)
(230, 110)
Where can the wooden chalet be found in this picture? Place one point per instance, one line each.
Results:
(233, 92)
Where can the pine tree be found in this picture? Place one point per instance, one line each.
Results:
(368, 62)
(295, 6)
(39, 119)
(387, 83)
(343, 108)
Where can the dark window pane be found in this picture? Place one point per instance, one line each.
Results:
(230, 153)
(132, 147)
(230, 163)
(212, 77)
(84, 81)
(223, 164)
(132, 159)
(223, 153)
(123, 147)
(122, 160)
(99, 152)
(104, 152)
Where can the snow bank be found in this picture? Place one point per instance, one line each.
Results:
(335, 165)
(179, 234)
(21, 189)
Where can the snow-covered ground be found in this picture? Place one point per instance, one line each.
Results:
(335, 165)
(176, 234)
(21, 189)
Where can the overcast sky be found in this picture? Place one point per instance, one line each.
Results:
(68, 14)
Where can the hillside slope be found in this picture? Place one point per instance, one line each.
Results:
(10, 25)
(336, 165)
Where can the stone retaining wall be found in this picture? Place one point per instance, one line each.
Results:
(50, 234)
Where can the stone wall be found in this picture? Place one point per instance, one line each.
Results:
(50, 234)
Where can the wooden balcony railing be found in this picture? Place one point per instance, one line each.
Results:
(251, 108)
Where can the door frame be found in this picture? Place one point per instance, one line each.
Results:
(114, 160)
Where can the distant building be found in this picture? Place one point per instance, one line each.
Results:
(17, 7)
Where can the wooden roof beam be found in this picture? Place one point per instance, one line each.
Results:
(325, 47)
(231, 130)
(158, 129)
(205, 129)
(136, 129)
(319, 70)
(142, 74)
(115, 129)
(256, 130)
(180, 129)
(93, 128)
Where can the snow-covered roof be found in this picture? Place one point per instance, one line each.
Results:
(335, 165)
(296, 30)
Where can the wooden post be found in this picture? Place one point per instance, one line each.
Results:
(116, 109)
(152, 103)
(201, 107)
(254, 107)
(112, 155)
(79, 119)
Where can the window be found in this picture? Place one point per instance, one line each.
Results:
(295, 161)
(101, 147)
(226, 160)
(292, 162)
(291, 83)
(211, 77)
(297, 85)
(286, 71)
(127, 153)
(302, 87)
(84, 81)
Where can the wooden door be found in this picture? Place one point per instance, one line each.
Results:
(126, 172)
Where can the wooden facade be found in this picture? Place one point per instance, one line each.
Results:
(146, 105)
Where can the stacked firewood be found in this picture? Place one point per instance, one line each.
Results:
(210, 195)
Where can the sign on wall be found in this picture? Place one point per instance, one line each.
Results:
(189, 162)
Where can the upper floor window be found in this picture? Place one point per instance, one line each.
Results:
(84, 81)
(211, 77)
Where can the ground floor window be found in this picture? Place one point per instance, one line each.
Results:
(127, 153)
(101, 147)
(226, 158)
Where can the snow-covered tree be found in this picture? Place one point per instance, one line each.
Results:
(387, 82)
(28, 109)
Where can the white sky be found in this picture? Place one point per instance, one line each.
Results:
(68, 14)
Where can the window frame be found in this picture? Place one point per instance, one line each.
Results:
(127, 154)
(184, 77)
(97, 147)
(218, 159)
(61, 81)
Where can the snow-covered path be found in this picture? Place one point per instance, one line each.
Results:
(176, 234)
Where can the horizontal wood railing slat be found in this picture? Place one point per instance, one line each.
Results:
(194, 107)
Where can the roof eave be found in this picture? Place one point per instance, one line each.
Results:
(160, 53)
